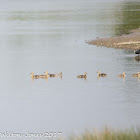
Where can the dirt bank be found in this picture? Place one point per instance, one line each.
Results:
(130, 41)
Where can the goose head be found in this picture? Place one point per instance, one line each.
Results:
(85, 73)
(46, 72)
(32, 73)
(124, 73)
(98, 72)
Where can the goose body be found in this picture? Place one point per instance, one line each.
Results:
(136, 75)
(42, 76)
(82, 76)
(34, 76)
(122, 75)
(137, 51)
(101, 74)
(53, 75)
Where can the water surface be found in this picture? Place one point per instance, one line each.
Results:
(38, 36)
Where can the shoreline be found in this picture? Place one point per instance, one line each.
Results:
(129, 41)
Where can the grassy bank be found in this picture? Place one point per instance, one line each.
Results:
(109, 134)
(126, 30)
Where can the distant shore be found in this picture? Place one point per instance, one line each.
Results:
(129, 41)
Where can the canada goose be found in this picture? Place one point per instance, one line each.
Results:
(101, 74)
(82, 76)
(34, 76)
(136, 75)
(137, 51)
(53, 75)
(122, 75)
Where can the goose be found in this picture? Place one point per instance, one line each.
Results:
(136, 75)
(137, 51)
(82, 76)
(34, 76)
(122, 75)
(53, 75)
(101, 74)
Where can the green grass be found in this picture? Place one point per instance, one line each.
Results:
(129, 17)
(109, 134)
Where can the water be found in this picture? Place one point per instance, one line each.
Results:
(38, 36)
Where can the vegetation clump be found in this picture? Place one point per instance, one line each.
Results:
(109, 134)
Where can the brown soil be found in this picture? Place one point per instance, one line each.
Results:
(130, 41)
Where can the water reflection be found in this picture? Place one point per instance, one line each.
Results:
(128, 17)
(137, 58)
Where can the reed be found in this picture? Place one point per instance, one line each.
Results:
(109, 134)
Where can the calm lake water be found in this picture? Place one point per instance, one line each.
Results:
(38, 36)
